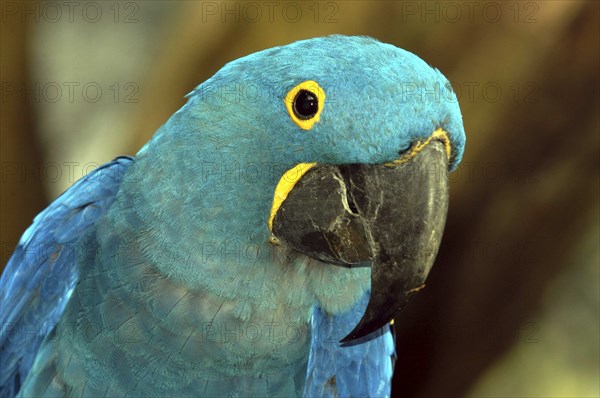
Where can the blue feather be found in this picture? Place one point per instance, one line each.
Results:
(42, 272)
(363, 369)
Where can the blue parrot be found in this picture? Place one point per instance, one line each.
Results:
(260, 244)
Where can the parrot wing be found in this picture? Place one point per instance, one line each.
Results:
(42, 272)
(364, 369)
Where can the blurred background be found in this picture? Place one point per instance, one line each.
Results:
(512, 305)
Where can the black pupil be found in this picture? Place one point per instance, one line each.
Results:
(306, 104)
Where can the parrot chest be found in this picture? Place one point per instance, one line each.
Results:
(151, 336)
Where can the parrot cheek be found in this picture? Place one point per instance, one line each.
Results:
(390, 216)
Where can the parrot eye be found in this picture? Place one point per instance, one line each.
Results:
(305, 103)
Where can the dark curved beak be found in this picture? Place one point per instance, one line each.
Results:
(392, 215)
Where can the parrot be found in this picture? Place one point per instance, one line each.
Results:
(261, 244)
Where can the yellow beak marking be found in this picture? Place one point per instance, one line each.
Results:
(285, 185)
(438, 134)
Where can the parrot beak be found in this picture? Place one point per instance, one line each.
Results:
(390, 214)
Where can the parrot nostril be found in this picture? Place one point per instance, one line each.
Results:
(402, 151)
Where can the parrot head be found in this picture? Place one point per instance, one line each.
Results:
(337, 148)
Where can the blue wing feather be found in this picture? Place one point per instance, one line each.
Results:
(361, 370)
(42, 272)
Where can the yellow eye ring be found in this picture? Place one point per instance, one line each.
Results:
(304, 104)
